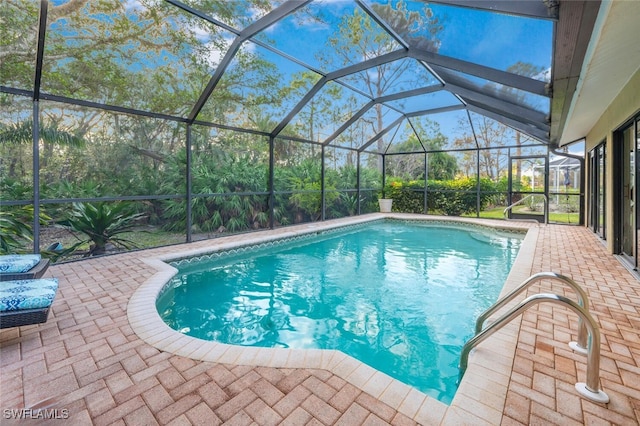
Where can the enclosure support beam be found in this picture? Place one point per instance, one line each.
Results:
(384, 180)
(478, 205)
(215, 79)
(245, 34)
(502, 107)
(42, 28)
(358, 192)
(410, 93)
(189, 194)
(388, 98)
(203, 16)
(310, 94)
(36, 177)
(272, 17)
(368, 64)
(272, 197)
(426, 184)
(323, 200)
(546, 188)
(349, 122)
(442, 64)
(373, 15)
(534, 132)
(382, 133)
(532, 9)
(435, 111)
(351, 69)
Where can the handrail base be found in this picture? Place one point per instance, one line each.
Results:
(598, 396)
(577, 348)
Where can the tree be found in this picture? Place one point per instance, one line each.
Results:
(359, 38)
(427, 137)
(20, 134)
(316, 116)
(512, 95)
(145, 54)
(488, 134)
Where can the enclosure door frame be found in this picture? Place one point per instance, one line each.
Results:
(514, 196)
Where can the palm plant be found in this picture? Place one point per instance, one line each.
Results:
(14, 231)
(102, 223)
(216, 184)
(21, 132)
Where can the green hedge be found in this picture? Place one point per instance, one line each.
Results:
(450, 197)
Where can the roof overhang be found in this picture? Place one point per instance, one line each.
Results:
(591, 72)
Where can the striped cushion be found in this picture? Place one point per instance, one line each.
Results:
(18, 263)
(27, 294)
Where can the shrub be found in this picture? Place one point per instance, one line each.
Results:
(408, 197)
(450, 197)
(102, 223)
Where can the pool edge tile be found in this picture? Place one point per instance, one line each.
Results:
(377, 384)
(411, 404)
(361, 375)
(395, 393)
(148, 325)
(431, 412)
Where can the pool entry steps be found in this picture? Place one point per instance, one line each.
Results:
(581, 345)
(588, 335)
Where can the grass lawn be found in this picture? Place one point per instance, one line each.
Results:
(498, 213)
(143, 238)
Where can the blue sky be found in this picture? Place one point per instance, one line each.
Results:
(492, 39)
(488, 38)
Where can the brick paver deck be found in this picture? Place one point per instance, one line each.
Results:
(88, 364)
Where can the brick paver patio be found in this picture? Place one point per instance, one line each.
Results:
(87, 363)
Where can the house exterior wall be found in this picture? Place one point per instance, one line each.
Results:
(624, 107)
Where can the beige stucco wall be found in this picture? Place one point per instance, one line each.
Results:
(622, 109)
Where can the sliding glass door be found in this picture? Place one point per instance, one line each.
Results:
(629, 143)
(597, 179)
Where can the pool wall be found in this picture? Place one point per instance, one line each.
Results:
(490, 364)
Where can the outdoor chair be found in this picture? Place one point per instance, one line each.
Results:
(22, 267)
(25, 302)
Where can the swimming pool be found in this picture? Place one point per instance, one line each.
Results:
(399, 297)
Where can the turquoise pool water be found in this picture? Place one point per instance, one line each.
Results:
(402, 298)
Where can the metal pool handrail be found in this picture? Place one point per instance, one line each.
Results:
(581, 345)
(591, 389)
(546, 201)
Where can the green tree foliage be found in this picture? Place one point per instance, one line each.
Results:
(420, 29)
(359, 38)
(427, 137)
(222, 167)
(152, 56)
(16, 139)
(490, 133)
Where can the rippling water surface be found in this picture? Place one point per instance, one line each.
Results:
(400, 298)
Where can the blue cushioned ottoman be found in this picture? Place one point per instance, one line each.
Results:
(22, 267)
(25, 302)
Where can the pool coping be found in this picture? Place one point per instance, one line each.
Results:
(480, 397)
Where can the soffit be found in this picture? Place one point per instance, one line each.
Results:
(612, 58)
